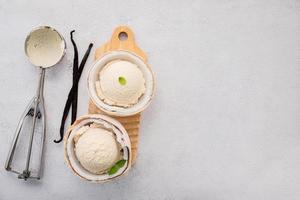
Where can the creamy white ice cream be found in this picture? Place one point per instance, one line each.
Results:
(121, 83)
(96, 149)
(44, 47)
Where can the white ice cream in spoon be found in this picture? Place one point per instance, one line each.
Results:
(121, 83)
(96, 149)
(44, 47)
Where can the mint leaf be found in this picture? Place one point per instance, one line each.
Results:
(121, 163)
(116, 167)
(113, 170)
(122, 80)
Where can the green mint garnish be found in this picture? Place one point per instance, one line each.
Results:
(122, 80)
(113, 170)
(121, 163)
(116, 167)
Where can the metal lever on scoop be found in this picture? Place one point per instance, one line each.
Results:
(36, 110)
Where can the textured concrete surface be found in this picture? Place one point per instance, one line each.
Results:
(225, 122)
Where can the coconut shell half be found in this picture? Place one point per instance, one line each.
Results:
(143, 101)
(103, 122)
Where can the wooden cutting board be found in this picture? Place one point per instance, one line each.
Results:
(122, 39)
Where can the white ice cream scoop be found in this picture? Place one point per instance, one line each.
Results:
(120, 83)
(97, 150)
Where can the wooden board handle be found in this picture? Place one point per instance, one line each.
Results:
(122, 39)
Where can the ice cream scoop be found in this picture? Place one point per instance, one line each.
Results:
(97, 149)
(44, 47)
(121, 83)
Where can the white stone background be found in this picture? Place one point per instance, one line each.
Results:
(225, 121)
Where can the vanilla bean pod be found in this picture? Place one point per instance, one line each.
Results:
(72, 93)
(75, 74)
